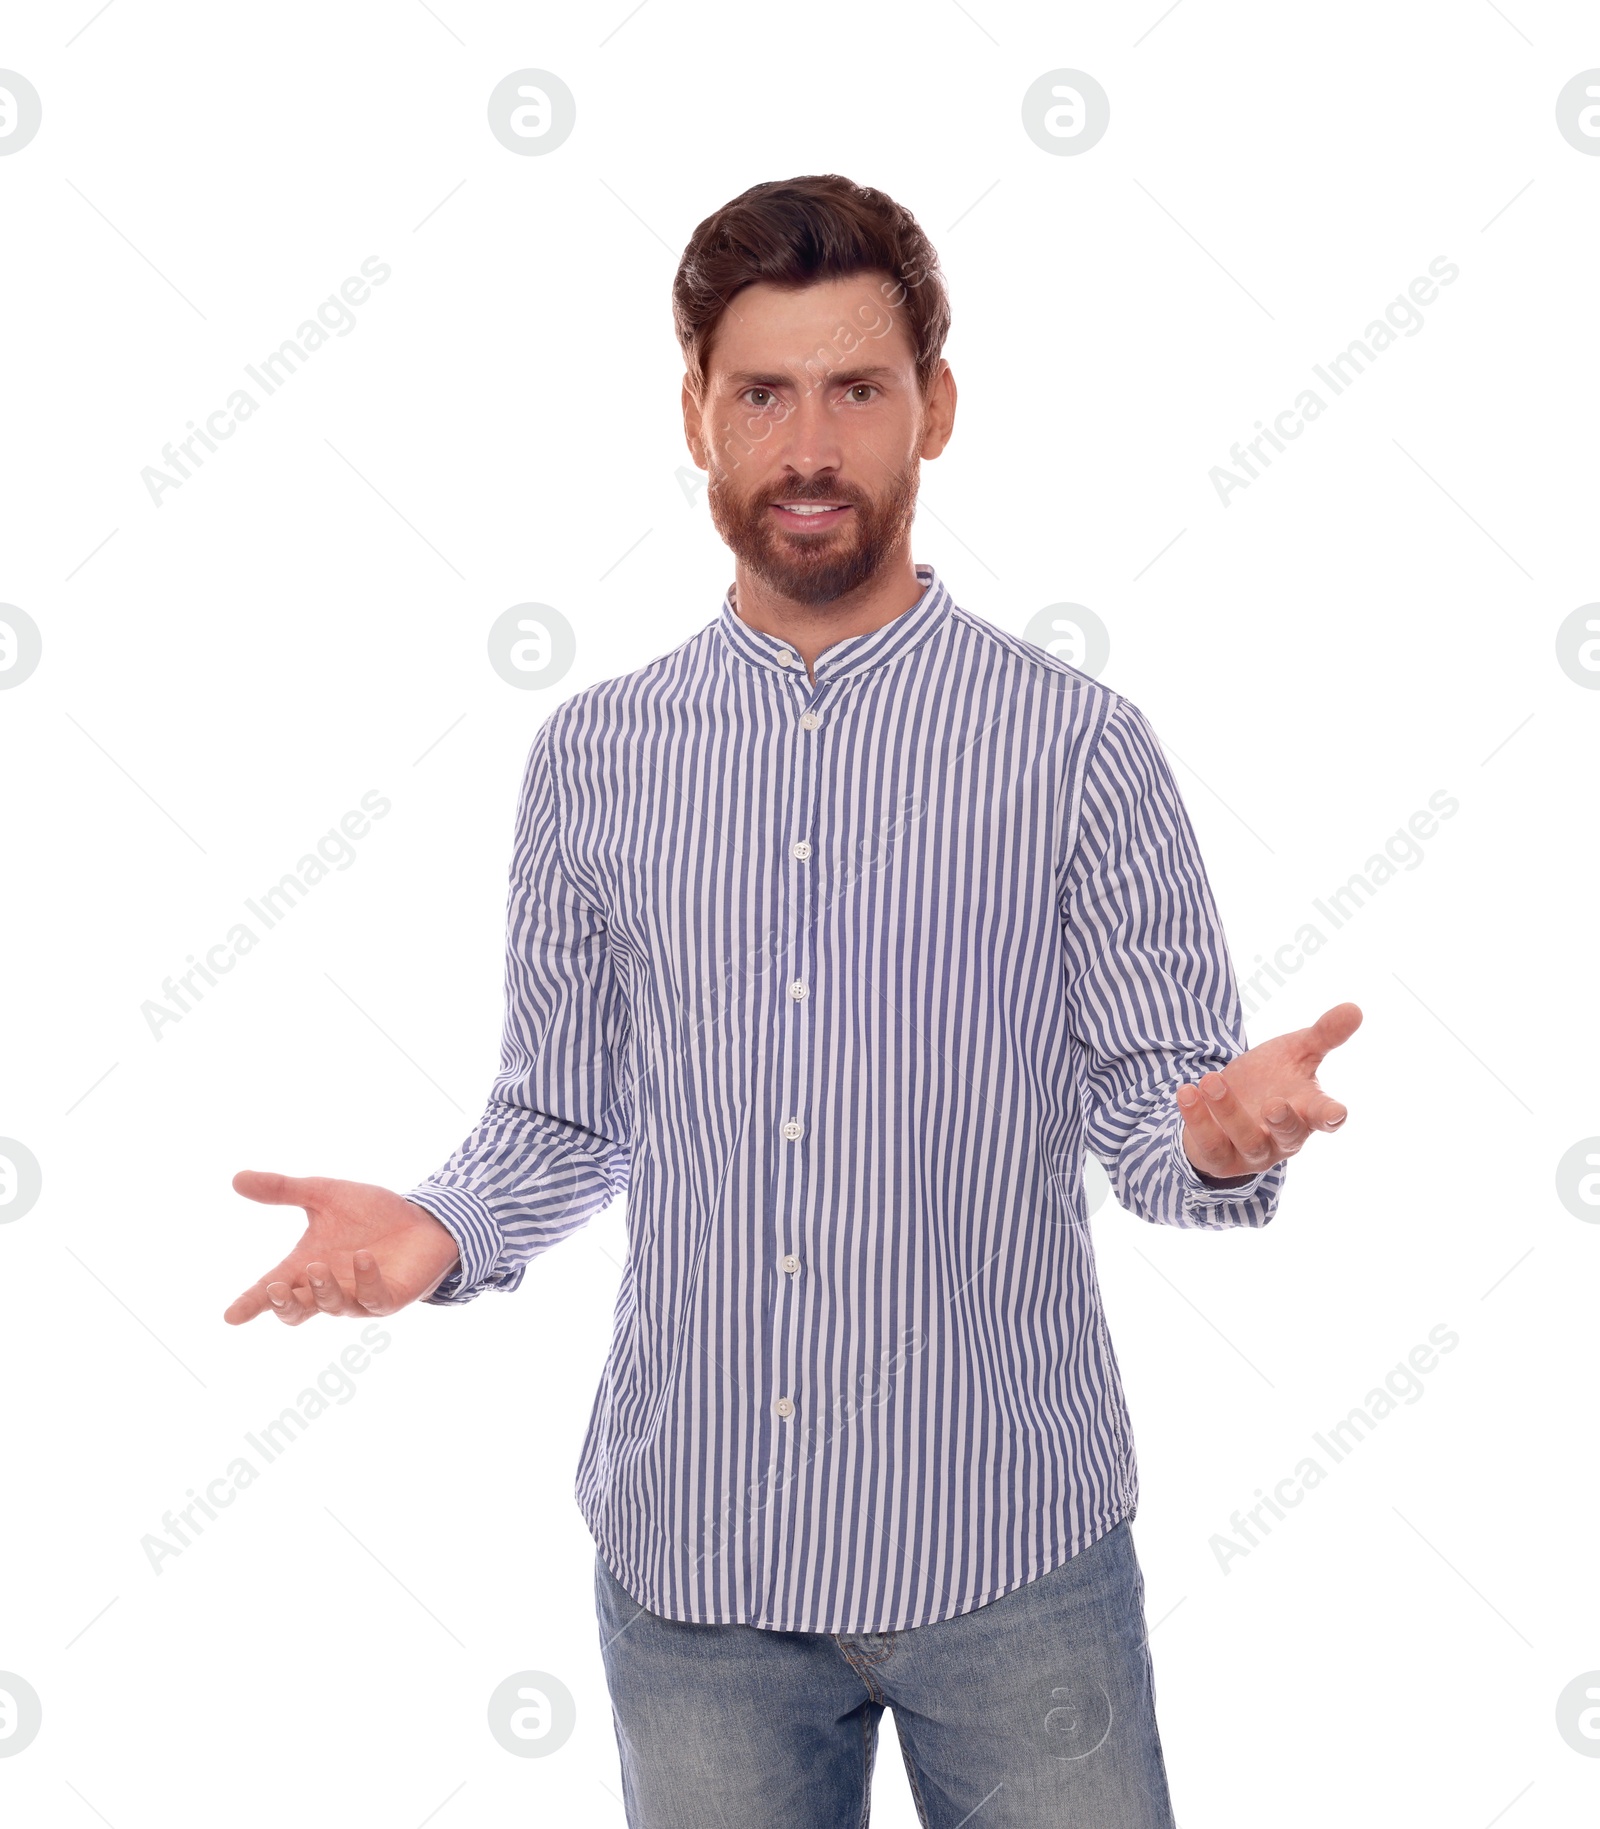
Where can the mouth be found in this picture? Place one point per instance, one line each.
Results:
(810, 515)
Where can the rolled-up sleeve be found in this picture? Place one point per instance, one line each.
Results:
(554, 1143)
(1149, 982)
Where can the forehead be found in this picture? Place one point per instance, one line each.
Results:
(782, 328)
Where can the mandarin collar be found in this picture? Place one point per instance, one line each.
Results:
(854, 654)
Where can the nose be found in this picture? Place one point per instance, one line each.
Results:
(807, 438)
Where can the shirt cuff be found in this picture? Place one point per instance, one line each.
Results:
(1208, 1190)
(478, 1238)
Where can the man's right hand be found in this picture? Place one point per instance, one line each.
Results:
(365, 1251)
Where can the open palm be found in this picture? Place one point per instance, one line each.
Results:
(1265, 1103)
(365, 1250)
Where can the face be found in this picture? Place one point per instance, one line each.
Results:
(812, 429)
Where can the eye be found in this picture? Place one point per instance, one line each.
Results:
(760, 404)
(861, 387)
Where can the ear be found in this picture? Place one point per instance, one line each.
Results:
(691, 425)
(939, 411)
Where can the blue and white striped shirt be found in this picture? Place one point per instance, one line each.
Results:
(838, 981)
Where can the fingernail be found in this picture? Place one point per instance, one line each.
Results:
(1334, 1123)
(277, 1301)
(316, 1282)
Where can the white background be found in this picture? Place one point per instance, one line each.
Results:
(224, 676)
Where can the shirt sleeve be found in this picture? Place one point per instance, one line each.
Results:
(1149, 983)
(554, 1143)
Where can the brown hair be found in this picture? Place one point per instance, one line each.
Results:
(794, 231)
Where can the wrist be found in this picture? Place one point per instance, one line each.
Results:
(1213, 1181)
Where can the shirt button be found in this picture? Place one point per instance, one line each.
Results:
(784, 1407)
(791, 1264)
(809, 720)
(801, 848)
(797, 990)
(793, 1129)
(785, 658)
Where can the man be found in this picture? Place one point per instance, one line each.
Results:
(836, 935)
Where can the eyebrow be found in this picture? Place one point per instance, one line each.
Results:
(750, 378)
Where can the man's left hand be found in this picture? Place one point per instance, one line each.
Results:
(1265, 1102)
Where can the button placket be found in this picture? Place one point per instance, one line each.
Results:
(795, 1049)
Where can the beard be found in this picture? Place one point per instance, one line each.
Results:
(821, 567)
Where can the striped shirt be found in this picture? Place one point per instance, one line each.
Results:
(839, 981)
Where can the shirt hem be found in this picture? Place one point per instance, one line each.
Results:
(1124, 1513)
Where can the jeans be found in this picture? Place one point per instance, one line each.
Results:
(1035, 1709)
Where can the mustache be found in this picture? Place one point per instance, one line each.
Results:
(818, 493)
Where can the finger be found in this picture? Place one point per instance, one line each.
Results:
(247, 1306)
(327, 1292)
(1243, 1131)
(1285, 1126)
(373, 1295)
(291, 1306)
(1205, 1133)
(1331, 1028)
(274, 1189)
(1323, 1113)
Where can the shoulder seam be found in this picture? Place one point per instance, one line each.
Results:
(1022, 649)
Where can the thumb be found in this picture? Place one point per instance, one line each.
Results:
(1333, 1027)
(273, 1189)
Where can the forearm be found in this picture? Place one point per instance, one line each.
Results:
(519, 1183)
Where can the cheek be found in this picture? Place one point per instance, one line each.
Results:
(735, 432)
(887, 435)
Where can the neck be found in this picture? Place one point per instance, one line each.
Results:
(808, 628)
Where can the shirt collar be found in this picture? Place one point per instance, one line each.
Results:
(855, 653)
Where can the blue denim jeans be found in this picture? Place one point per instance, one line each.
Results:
(1036, 1709)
